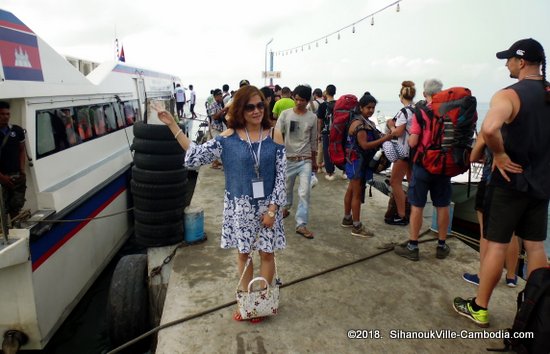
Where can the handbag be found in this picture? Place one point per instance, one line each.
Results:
(262, 302)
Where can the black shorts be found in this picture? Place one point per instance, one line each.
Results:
(480, 195)
(508, 210)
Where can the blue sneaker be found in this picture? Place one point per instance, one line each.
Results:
(471, 278)
(512, 283)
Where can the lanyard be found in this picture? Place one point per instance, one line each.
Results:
(256, 157)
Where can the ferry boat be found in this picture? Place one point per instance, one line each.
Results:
(78, 136)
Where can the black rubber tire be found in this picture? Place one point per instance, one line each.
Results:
(151, 235)
(128, 303)
(158, 191)
(159, 147)
(158, 217)
(159, 177)
(159, 162)
(153, 131)
(147, 204)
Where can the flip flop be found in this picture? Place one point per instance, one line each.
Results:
(256, 320)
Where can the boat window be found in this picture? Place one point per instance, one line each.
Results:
(45, 141)
(98, 119)
(110, 115)
(119, 115)
(61, 128)
(84, 125)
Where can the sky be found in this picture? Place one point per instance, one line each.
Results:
(211, 43)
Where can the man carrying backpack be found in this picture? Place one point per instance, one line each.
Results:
(516, 129)
(423, 181)
(324, 114)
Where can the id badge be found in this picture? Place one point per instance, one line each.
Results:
(258, 188)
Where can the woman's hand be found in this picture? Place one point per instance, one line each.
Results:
(268, 221)
(164, 116)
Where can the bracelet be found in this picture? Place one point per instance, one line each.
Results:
(178, 133)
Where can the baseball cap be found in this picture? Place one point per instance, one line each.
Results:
(244, 83)
(528, 49)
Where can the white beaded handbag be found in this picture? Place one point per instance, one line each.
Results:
(261, 302)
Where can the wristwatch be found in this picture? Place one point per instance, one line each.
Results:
(270, 214)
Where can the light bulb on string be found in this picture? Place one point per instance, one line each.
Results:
(326, 40)
(397, 9)
(353, 29)
(302, 48)
(309, 46)
(372, 21)
(317, 44)
(338, 35)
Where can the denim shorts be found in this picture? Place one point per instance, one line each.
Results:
(422, 181)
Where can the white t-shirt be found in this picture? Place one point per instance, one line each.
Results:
(180, 94)
(407, 119)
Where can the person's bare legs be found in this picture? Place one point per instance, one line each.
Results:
(536, 255)
(267, 266)
(241, 261)
(511, 261)
(415, 222)
(399, 170)
(443, 216)
(491, 270)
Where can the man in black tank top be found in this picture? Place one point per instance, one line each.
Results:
(516, 129)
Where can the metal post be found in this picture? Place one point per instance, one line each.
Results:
(265, 61)
(271, 67)
(3, 216)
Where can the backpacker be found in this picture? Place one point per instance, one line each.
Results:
(343, 110)
(533, 316)
(452, 120)
(327, 119)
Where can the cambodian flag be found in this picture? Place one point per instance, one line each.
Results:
(18, 50)
(121, 56)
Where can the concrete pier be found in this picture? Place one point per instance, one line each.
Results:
(385, 296)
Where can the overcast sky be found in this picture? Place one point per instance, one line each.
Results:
(210, 43)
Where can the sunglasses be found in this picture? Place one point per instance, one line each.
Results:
(251, 107)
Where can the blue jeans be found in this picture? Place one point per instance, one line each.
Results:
(329, 166)
(302, 169)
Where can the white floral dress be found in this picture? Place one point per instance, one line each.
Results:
(242, 213)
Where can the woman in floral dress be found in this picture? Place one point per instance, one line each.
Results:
(254, 161)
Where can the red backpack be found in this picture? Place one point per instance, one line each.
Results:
(343, 110)
(452, 120)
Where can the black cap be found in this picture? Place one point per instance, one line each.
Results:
(244, 83)
(528, 49)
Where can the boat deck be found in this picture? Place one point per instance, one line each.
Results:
(380, 294)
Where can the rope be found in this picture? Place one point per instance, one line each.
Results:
(85, 219)
(387, 248)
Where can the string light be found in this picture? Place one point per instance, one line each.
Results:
(337, 32)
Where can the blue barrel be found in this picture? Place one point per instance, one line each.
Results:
(435, 227)
(193, 222)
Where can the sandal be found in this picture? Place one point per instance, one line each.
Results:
(256, 320)
(237, 316)
(286, 213)
(303, 231)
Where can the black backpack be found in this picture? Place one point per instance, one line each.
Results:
(533, 316)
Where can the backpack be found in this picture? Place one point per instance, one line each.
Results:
(327, 120)
(452, 119)
(341, 116)
(533, 316)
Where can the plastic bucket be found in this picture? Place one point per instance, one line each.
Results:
(193, 221)
(434, 226)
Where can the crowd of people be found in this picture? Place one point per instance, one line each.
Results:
(267, 137)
